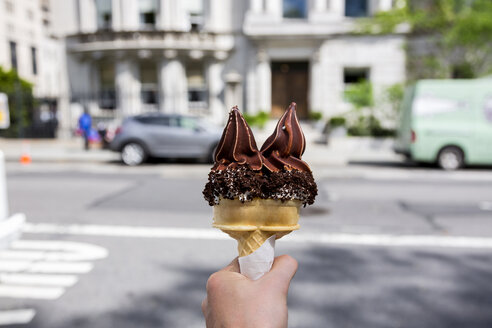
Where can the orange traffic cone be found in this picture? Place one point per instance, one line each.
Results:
(26, 154)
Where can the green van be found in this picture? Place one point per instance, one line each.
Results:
(448, 122)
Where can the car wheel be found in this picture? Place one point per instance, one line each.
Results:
(450, 158)
(133, 153)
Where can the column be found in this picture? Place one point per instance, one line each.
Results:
(274, 9)
(315, 83)
(88, 16)
(129, 15)
(217, 12)
(264, 82)
(256, 6)
(116, 12)
(384, 5)
(215, 90)
(181, 21)
(127, 87)
(164, 15)
(337, 8)
(319, 5)
(250, 93)
(318, 11)
(172, 84)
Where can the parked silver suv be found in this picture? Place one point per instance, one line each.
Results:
(162, 135)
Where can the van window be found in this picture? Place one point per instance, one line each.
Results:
(431, 105)
(487, 109)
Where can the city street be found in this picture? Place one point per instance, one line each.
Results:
(385, 245)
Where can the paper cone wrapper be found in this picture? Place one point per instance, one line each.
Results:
(259, 262)
(256, 225)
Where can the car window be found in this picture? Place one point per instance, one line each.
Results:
(487, 109)
(188, 123)
(157, 120)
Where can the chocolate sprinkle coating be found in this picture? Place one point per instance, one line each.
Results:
(245, 184)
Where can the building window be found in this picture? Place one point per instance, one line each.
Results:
(148, 13)
(34, 61)
(13, 55)
(356, 8)
(194, 8)
(197, 88)
(294, 9)
(148, 80)
(107, 94)
(355, 75)
(104, 14)
(352, 76)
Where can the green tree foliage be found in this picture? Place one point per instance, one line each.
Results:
(21, 101)
(259, 120)
(394, 96)
(360, 94)
(456, 36)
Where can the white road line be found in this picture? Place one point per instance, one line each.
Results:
(125, 231)
(16, 317)
(45, 267)
(21, 255)
(323, 238)
(62, 250)
(45, 293)
(38, 279)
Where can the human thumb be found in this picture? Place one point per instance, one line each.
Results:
(283, 270)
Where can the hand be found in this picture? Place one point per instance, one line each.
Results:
(236, 301)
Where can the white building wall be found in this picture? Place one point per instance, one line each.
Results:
(23, 24)
(384, 56)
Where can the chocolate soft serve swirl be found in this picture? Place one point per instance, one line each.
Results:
(276, 172)
(237, 145)
(284, 148)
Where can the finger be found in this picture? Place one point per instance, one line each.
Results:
(232, 267)
(283, 270)
(204, 306)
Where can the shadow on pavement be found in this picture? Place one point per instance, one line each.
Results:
(335, 287)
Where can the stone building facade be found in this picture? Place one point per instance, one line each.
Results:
(126, 57)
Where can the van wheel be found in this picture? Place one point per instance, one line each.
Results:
(133, 153)
(450, 158)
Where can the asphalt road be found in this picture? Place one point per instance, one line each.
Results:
(382, 247)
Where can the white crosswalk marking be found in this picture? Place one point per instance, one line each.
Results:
(45, 267)
(41, 270)
(16, 317)
(45, 293)
(38, 279)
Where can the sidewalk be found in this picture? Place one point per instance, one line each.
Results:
(54, 150)
(339, 152)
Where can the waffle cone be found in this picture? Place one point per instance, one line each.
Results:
(252, 223)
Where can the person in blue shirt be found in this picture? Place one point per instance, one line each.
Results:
(85, 125)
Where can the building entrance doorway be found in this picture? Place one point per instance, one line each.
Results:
(290, 84)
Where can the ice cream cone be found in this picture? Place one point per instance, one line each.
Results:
(252, 223)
